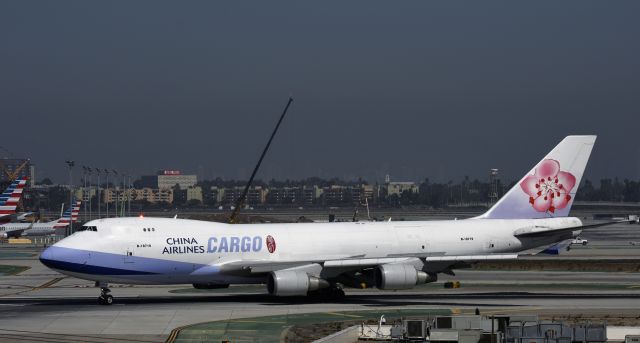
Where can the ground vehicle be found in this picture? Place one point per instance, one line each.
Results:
(579, 240)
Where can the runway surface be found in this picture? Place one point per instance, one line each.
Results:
(39, 304)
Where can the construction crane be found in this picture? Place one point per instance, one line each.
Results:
(240, 201)
(13, 174)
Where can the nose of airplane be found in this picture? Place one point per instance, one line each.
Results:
(47, 257)
(63, 258)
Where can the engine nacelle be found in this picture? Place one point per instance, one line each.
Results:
(293, 282)
(401, 276)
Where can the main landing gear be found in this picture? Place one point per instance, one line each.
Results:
(105, 298)
(334, 292)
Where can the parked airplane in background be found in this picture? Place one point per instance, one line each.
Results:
(41, 229)
(321, 258)
(10, 198)
(26, 217)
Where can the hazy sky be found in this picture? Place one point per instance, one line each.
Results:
(411, 88)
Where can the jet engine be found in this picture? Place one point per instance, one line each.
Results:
(293, 282)
(401, 276)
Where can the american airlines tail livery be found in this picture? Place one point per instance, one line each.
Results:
(322, 258)
(10, 198)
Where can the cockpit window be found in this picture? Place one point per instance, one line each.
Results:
(88, 228)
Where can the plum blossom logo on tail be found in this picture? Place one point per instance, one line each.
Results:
(549, 188)
(271, 244)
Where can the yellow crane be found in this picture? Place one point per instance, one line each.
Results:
(12, 175)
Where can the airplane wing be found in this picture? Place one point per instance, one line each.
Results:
(542, 232)
(264, 266)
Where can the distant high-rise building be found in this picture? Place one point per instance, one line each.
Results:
(170, 178)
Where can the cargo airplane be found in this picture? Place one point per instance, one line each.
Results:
(321, 258)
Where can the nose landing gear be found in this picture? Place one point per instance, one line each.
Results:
(105, 298)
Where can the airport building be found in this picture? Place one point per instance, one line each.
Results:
(255, 196)
(340, 195)
(151, 195)
(170, 178)
(397, 188)
(194, 193)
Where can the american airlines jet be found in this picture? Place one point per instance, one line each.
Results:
(322, 258)
(10, 198)
(41, 229)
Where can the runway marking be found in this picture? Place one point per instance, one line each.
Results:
(30, 289)
(344, 314)
(49, 283)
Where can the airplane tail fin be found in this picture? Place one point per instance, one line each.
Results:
(71, 214)
(548, 190)
(75, 210)
(10, 198)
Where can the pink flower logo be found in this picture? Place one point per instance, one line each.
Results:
(549, 188)
(271, 244)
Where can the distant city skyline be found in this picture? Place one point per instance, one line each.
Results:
(411, 89)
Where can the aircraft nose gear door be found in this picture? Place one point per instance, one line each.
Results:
(129, 255)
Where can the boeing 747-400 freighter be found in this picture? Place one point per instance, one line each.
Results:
(322, 258)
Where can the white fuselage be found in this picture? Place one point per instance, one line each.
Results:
(28, 229)
(171, 251)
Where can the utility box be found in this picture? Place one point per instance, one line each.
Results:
(469, 336)
(596, 333)
(530, 329)
(443, 335)
(632, 339)
(397, 332)
(414, 329)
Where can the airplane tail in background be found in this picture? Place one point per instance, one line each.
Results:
(10, 198)
(71, 214)
(548, 190)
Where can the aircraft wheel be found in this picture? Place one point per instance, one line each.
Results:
(105, 299)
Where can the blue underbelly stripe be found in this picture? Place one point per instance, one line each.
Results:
(90, 269)
(93, 262)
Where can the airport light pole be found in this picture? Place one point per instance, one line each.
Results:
(70, 163)
(84, 191)
(106, 171)
(129, 198)
(124, 189)
(116, 188)
(98, 191)
(90, 171)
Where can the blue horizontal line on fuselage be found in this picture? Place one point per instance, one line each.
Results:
(90, 269)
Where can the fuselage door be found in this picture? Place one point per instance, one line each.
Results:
(129, 255)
